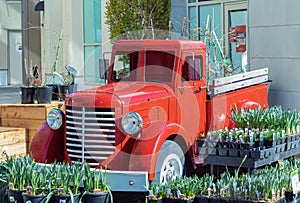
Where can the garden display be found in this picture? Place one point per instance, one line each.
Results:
(258, 133)
(28, 181)
(270, 184)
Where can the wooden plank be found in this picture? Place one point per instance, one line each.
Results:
(23, 123)
(27, 111)
(30, 135)
(12, 135)
(241, 76)
(13, 149)
(237, 85)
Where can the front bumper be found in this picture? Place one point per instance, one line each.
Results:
(127, 181)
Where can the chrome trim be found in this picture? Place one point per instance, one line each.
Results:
(90, 134)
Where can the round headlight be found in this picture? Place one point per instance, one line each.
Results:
(132, 123)
(54, 119)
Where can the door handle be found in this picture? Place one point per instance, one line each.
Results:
(200, 89)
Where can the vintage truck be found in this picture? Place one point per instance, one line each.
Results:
(150, 113)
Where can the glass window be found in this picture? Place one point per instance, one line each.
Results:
(92, 55)
(192, 1)
(125, 66)
(192, 69)
(92, 39)
(210, 19)
(159, 66)
(92, 21)
(193, 22)
(236, 18)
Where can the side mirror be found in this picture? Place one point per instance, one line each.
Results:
(103, 68)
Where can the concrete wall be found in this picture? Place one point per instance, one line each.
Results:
(274, 27)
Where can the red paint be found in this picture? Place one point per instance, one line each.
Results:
(48, 145)
(176, 110)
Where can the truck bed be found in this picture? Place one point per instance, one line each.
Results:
(218, 108)
(238, 81)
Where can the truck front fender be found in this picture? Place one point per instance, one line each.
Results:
(145, 151)
(47, 145)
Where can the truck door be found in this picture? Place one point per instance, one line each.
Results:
(191, 94)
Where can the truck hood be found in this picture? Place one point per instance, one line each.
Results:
(124, 93)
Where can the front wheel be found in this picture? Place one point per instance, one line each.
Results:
(170, 162)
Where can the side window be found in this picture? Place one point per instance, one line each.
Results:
(192, 68)
(124, 66)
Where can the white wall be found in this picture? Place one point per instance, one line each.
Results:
(10, 20)
(274, 27)
(67, 16)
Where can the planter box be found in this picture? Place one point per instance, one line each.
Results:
(29, 116)
(13, 141)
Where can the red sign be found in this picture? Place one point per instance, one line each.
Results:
(237, 34)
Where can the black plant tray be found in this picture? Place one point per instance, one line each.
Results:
(269, 152)
(244, 153)
(222, 151)
(291, 145)
(257, 154)
(207, 151)
(234, 152)
(155, 201)
(280, 148)
(266, 157)
(173, 200)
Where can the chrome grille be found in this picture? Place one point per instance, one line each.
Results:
(90, 134)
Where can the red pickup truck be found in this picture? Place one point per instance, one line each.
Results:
(150, 113)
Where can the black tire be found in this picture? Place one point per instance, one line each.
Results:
(170, 162)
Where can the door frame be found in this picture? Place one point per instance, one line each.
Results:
(227, 8)
(9, 65)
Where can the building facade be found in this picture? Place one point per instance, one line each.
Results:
(274, 41)
(85, 36)
(74, 33)
(10, 42)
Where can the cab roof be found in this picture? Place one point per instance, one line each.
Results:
(158, 44)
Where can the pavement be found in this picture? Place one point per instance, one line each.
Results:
(10, 95)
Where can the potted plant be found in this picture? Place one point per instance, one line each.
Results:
(96, 188)
(155, 193)
(28, 91)
(65, 184)
(39, 184)
(205, 189)
(18, 176)
(66, 84)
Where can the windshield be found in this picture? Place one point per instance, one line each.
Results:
(158, 66)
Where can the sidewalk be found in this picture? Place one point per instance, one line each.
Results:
(10, 95)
